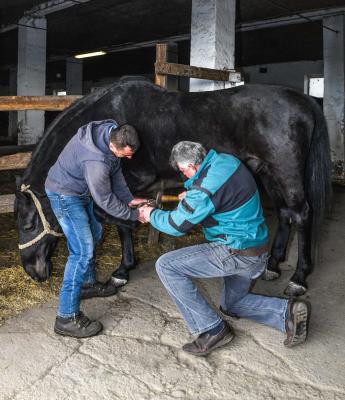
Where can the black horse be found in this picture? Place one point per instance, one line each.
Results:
(279, 133)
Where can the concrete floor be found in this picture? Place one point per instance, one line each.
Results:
(138, 355)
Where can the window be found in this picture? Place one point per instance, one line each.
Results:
(314, 85)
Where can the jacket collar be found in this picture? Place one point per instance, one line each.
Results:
(210, 156)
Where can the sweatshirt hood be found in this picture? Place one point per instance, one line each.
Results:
(95, 136)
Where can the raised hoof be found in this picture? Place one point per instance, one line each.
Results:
(293, 289)
(118, 282)
(270, 275)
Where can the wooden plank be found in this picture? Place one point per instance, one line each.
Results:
(48, 103)
(14, 161)
(165, 68)
(7, 203)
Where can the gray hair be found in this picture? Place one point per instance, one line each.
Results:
(185, 153)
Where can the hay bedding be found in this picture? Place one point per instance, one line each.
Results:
(19, 292)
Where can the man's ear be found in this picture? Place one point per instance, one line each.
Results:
(112, 147)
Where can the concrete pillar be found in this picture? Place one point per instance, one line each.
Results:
(74, 76)
(334, 87)
(212, 39)
(31, 79)
(12, 115)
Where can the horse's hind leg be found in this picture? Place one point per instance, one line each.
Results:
(281, 238)
(121, 275)
(303, 218)
(279, 246)
(296, 210)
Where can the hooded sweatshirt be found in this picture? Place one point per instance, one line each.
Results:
(86, 166)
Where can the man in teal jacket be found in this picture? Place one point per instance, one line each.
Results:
(222, 196)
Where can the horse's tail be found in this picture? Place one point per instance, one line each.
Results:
(318, 173)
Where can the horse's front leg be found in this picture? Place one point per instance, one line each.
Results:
(121, 275)
(297, 285)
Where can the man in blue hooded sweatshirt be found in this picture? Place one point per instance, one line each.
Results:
(88, 170)
(221, 196)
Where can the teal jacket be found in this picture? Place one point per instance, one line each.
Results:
(223, 197)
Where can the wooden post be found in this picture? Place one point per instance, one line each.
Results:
(153, 237)
(6, 203)
(166, 52)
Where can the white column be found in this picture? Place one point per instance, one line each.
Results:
(212, 39)
(74, 76)
(12, 115)
(334, 93)
(31, 79)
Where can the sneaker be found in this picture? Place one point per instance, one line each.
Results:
(98, 289)
(79, 326)
(297, 322)
(205, 343)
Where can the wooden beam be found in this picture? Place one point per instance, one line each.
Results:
(7, 203)
(164, 68)
(14, 161)
(48, 103)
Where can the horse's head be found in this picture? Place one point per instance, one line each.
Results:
(35, 251)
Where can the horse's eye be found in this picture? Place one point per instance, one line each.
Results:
(28, 226)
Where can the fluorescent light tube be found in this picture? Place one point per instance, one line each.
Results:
(93, 54)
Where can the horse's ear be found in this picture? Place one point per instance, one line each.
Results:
(18, 181)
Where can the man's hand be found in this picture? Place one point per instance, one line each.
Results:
(144, 214)
(136, 201)
(182, 195)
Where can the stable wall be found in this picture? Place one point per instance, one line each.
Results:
(289, 74)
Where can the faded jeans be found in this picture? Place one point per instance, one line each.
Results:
(83, 232)
(213, 260)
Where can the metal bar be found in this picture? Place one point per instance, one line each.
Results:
(44, 9)
(315, 15)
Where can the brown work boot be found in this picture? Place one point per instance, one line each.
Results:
(297, 321)
(205, 342)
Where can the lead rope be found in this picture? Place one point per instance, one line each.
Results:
(46, 226)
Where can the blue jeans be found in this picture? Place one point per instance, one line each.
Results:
(212, 260)
(83, 232)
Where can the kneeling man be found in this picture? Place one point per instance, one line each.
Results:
(221, 195)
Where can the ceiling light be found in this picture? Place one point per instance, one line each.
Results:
(93, 54)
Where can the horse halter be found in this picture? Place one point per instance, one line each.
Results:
(46, 226)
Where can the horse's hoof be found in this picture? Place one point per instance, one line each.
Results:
(293, 289)
(270, 275)
(118, 282)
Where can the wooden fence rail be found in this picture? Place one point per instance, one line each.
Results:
(168, 68)
(14, 161)
(48, 103)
